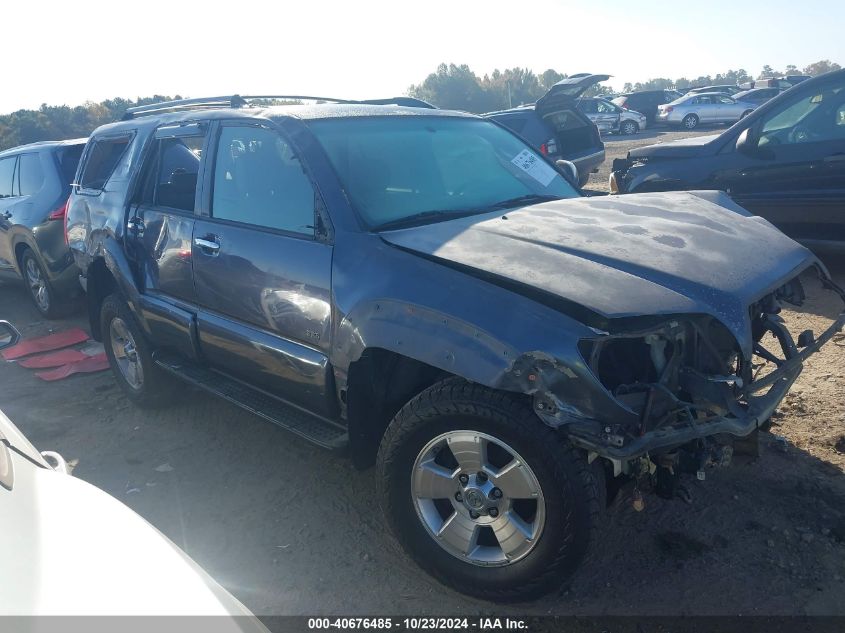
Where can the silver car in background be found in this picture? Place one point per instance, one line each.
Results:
(610, 118)
(709, 107)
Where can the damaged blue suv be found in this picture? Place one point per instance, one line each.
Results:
(421, 288)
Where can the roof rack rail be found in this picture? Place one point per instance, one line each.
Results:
(238, 101)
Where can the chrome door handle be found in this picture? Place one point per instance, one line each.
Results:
(208, 246)
(135, 226)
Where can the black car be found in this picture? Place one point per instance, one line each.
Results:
(35, 184)
(757, 95)
(422, 288)
(555, 126)
(784, 162)
(646, 101)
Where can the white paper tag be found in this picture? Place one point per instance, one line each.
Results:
(535, 167)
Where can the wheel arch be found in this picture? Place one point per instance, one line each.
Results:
(110, 272)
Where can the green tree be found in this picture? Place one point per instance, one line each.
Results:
(820, 67)
(767, 72)
(453, 87)
(550, 77)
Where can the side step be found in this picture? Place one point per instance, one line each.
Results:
(316, 429)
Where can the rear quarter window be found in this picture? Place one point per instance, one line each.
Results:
(69, 161)
(101, 161)
(7, 169)
(31, 175)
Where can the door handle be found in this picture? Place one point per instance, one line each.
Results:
(834, 158)
(206, 245)
(135, 226)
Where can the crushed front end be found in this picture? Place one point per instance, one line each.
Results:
(685, 381)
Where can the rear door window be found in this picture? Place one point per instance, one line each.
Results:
(101, 161)
(7, 170)
(172, 170)
(30, 174)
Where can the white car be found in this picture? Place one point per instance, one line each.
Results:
(707, 107)
(610, 118)
(71, 549)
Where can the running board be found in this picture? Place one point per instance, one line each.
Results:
(316, 429)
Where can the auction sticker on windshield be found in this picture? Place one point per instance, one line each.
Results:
(535, 167)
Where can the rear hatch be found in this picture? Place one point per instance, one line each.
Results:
(575, 135)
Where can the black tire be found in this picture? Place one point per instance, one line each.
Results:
(690, 121)
(156, 388)
(41, 292)
(570, 487)
(629, 127)
(745, 114)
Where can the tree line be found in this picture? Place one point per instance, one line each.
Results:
(458, 87)
(450, 86)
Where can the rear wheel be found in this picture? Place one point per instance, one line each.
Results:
(130, 356)
(483, 495)
(690, 121)
(41, 291)
(629, 127)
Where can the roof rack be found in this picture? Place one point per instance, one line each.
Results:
(238, 101)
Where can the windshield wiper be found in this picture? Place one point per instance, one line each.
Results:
(421, 217)
(531, 198)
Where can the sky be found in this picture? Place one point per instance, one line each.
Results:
(90, 50)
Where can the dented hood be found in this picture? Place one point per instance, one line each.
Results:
(605, 258)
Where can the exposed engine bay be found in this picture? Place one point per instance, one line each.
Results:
(692, 389)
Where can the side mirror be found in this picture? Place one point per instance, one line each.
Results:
(568, 170)
(8, 335)
(747, 143)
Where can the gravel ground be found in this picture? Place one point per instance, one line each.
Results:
(292, 529)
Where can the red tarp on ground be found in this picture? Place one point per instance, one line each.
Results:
(53, 359)
(91, 364)
(46, 343)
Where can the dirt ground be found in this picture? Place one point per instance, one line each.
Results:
(291, 529)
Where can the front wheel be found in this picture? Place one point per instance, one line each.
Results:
(630, 127)
(690, 121)
(483, 495)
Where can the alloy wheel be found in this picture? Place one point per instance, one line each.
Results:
(478, 498)
(126, 353)
(37, 284)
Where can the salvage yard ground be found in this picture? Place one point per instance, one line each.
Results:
(292, 529)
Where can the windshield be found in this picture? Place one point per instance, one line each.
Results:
(399, 170)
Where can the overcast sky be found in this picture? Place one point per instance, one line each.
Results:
(90, 50)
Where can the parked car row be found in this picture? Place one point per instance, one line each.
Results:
(429, 291)
(784, 162)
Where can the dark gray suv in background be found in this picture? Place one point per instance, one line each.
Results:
(35, 182)
(557, 128)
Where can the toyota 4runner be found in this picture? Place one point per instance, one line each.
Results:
(422, 289)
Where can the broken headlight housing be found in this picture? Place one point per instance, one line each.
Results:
(645, 370)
